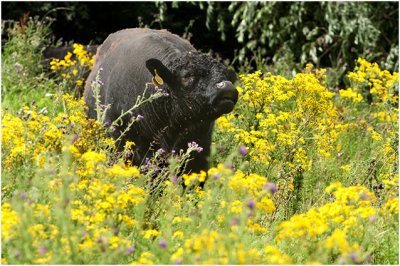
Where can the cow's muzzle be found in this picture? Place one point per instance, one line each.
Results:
(225, 98)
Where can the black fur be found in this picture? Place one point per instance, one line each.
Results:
(130, 59)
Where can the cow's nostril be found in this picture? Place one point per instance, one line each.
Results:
(225, 97)
(226, 90)
(228, 93)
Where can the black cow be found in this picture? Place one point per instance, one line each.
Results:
(199, 90)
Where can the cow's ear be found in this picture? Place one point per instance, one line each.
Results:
(232, 76)
(161, 74)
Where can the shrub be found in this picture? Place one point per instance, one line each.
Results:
(74, 68)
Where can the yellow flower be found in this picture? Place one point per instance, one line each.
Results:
(274, 256)
(392, 205)
(145, 259)
(91, 158)
(117, 170)
(79, 82)
(266, 205)
(346, 167)
(190, 178)
(178, 234)
(178, 219)
(256, 227)
(337, 239)
(236, 206)
(9, 220)
(151, 233)
(352, 94)
(177, 255)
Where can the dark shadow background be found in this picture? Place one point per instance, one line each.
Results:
(286, 44)
(92, 22)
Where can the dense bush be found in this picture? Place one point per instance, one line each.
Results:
(295, 165)
(324, 33)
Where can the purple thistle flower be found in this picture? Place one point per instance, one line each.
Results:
(364, 196)
(139, 117)
(174, 179)
(163, 244)
(160, 151)
(146, 165)
(107, 124)
(235, 222)
(113, 128)
(243, 150)
(75, 137)
(42, 250)
(130, 250)
(353, 256)
(229, 165)
(271, 187)
(372, 218)
(251, 204)
(195, 146)
(128, 154)
(217, 176)
(24, 195)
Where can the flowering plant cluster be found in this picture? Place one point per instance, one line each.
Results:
(295, 165)
(74, 67)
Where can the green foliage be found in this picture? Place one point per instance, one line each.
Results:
(22, 71)
(324, 33)
(23, 50)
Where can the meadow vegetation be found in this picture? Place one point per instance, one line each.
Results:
(301, 173)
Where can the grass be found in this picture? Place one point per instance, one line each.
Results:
(299, 174)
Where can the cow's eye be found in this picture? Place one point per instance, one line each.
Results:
(188, 82)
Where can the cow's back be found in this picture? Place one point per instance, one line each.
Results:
(122, 59)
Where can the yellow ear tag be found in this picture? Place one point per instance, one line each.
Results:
(157, 80)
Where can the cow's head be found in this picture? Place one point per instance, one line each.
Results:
(201, 87)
